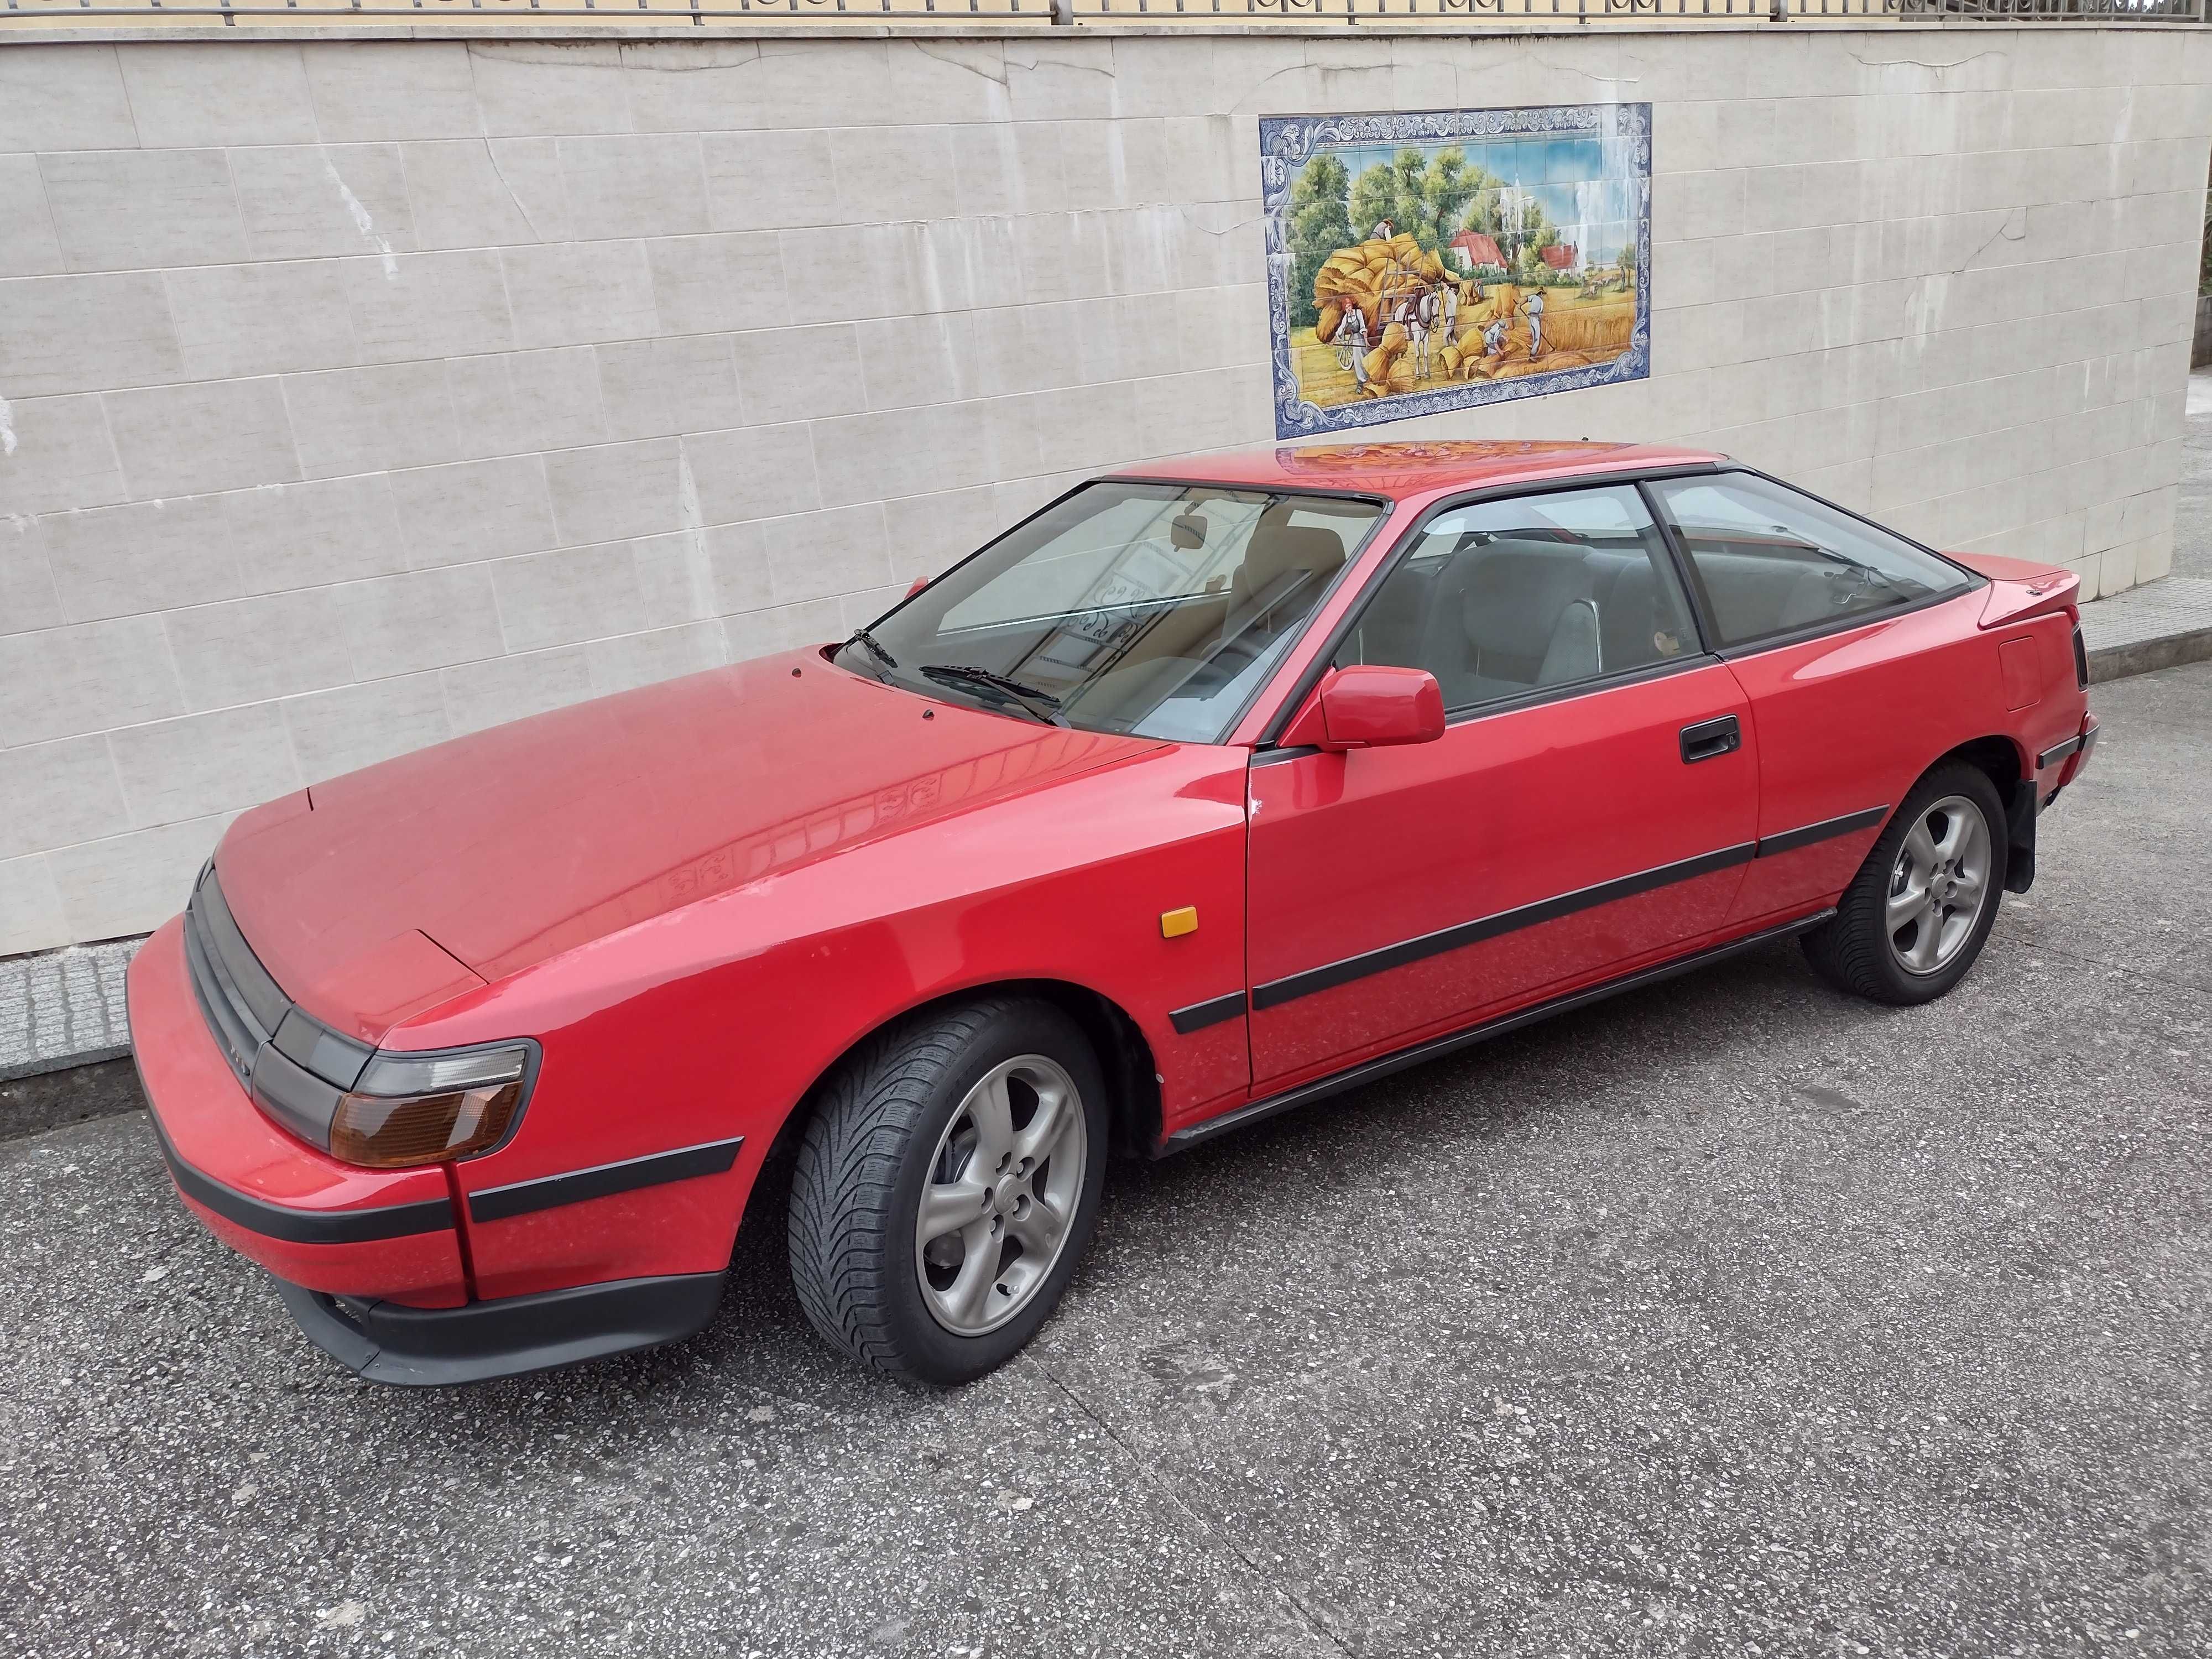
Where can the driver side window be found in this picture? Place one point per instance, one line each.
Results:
(1506, 597)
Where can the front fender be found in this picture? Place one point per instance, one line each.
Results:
(714, 1022)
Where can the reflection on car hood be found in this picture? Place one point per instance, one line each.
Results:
(508, 846)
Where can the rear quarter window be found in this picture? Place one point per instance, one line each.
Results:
(1772, 560)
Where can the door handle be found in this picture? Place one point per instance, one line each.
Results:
(1708, 738)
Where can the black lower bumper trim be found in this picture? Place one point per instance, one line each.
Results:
(280, 1221)
(603, 1180)
(437, 1347)
(2058, 752)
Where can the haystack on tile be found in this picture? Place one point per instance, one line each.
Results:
(1373, 278)
(1590, 328)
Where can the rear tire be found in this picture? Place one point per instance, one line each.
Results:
(1916, 915)
(993, 1115)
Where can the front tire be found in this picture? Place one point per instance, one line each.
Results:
(947, 1184)
(1916, 916)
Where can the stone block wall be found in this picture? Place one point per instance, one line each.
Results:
(357, 394)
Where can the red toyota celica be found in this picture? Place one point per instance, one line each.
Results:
(1209, 790)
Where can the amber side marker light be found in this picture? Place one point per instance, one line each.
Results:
(407, 1110)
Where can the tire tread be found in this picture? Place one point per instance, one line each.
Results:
(1850, 950)
(865, 1115)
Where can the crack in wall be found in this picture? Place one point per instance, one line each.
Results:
(1923, 63)
(998, 80)
(1042, 59)
(2004, 233)
(742, 53)
(508, 185)
(1187, 212)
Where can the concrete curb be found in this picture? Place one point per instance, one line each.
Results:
(2161, 624)
(2117, 662)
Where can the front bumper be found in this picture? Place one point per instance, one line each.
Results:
(369, 1261)
(297, 1212)
(419, 1347)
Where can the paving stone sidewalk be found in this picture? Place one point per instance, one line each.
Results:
(61, 1008)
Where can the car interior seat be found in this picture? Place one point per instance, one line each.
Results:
(1757, 590)
(1282, 560)
(1509, 614)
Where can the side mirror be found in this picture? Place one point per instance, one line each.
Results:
(1369, 707)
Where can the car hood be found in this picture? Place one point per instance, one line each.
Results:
(377, 895)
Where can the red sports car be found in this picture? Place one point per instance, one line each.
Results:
(1208, 791)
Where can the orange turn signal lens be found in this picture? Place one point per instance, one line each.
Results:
(382, 1132)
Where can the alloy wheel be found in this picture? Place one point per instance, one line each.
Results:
(1939, 885)
(1002, 1193)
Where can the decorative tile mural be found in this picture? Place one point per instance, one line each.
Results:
(1423, 261)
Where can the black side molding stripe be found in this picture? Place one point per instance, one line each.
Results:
(1382, 1066)
(1329, 976)
(2059, 752)
(302, 1226)
(603, 1180)
(1200, 1015)
(1790, 840)
(1275, 992)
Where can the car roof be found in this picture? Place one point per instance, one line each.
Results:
(1403, 471)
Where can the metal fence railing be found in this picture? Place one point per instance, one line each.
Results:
(614, 16)
(1445, 12)
(1464, 12)
(658, 15)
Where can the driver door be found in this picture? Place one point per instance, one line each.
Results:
(1590, 806)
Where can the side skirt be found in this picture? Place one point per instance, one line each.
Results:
(1436, 1047)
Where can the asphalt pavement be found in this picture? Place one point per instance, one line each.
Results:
(1728, 1317)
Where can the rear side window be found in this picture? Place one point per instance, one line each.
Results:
(1506, 597)
(1772, 560)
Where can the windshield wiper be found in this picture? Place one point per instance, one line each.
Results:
(1043, 704)
(860, 636)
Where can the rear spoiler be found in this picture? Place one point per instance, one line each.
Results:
(2019, 589)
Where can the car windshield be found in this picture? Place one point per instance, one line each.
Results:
(1152, 608)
